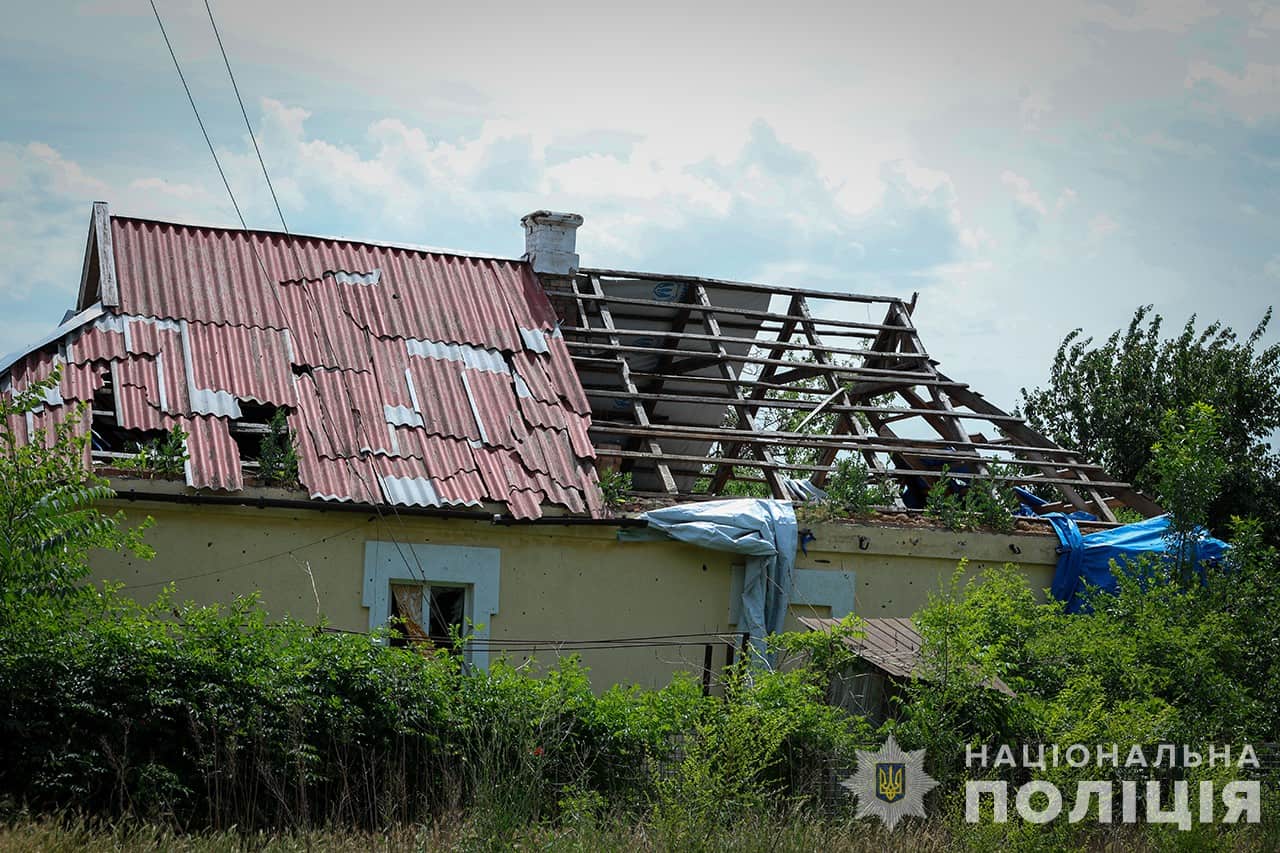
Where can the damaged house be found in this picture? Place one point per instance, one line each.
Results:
(364, 431)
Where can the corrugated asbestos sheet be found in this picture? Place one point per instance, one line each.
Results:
(410, 377)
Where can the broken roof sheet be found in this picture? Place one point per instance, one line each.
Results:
(401, 371)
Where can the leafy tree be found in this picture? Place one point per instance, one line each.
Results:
(1187, 468)
(1108, 401)
(48, 521)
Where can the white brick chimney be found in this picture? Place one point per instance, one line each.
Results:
(550, 239)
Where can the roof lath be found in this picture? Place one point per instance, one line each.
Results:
(702, 384)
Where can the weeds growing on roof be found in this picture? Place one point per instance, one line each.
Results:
(278, 453)
(165, 456)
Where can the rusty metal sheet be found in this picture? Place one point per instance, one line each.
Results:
(213, 458)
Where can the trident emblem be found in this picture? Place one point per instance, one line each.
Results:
(890, 781)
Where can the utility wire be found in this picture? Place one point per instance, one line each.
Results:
(356, 474)
(247, 563)
(199, 120)
(252, 137)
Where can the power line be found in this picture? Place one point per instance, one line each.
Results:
(327, 340)
(247, 563)
(199, 120)
(252, 137)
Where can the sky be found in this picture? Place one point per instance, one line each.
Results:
(1028, 168)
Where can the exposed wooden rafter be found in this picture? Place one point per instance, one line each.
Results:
(712, 373)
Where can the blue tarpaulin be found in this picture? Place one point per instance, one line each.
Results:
(1087, 558)
(763, 531)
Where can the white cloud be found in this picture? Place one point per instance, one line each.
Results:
(1024, 194)
(1253, 94)
(44, 200)
(1172, 16)
(1272, 267)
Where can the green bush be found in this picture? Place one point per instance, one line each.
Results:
(985, 502)
(216, 717)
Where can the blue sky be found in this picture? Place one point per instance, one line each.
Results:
(1027, 167)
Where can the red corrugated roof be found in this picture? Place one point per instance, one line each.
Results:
(214, 457)
(409, 376)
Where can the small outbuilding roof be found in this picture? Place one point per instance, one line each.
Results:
(891, 645)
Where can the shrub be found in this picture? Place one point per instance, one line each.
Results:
(983, 502)
(216, 717)
(165, 456)
(851, 491)
(278, 453)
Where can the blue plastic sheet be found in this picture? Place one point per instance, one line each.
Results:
(763, 531)
(1087, 558)
(1031, 504)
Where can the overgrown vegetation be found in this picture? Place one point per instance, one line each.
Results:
(214, 717)
(1108, 401)
(278, 453)
(150, 722)
(985, 502)
(1171, 657)
(1187, 467)
(48, 519)
(852, 492)
(615, 486)
(165, 456)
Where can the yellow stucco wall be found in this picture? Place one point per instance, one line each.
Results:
(556, 582)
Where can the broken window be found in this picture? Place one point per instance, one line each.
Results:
(153, 452)
(428, 613)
